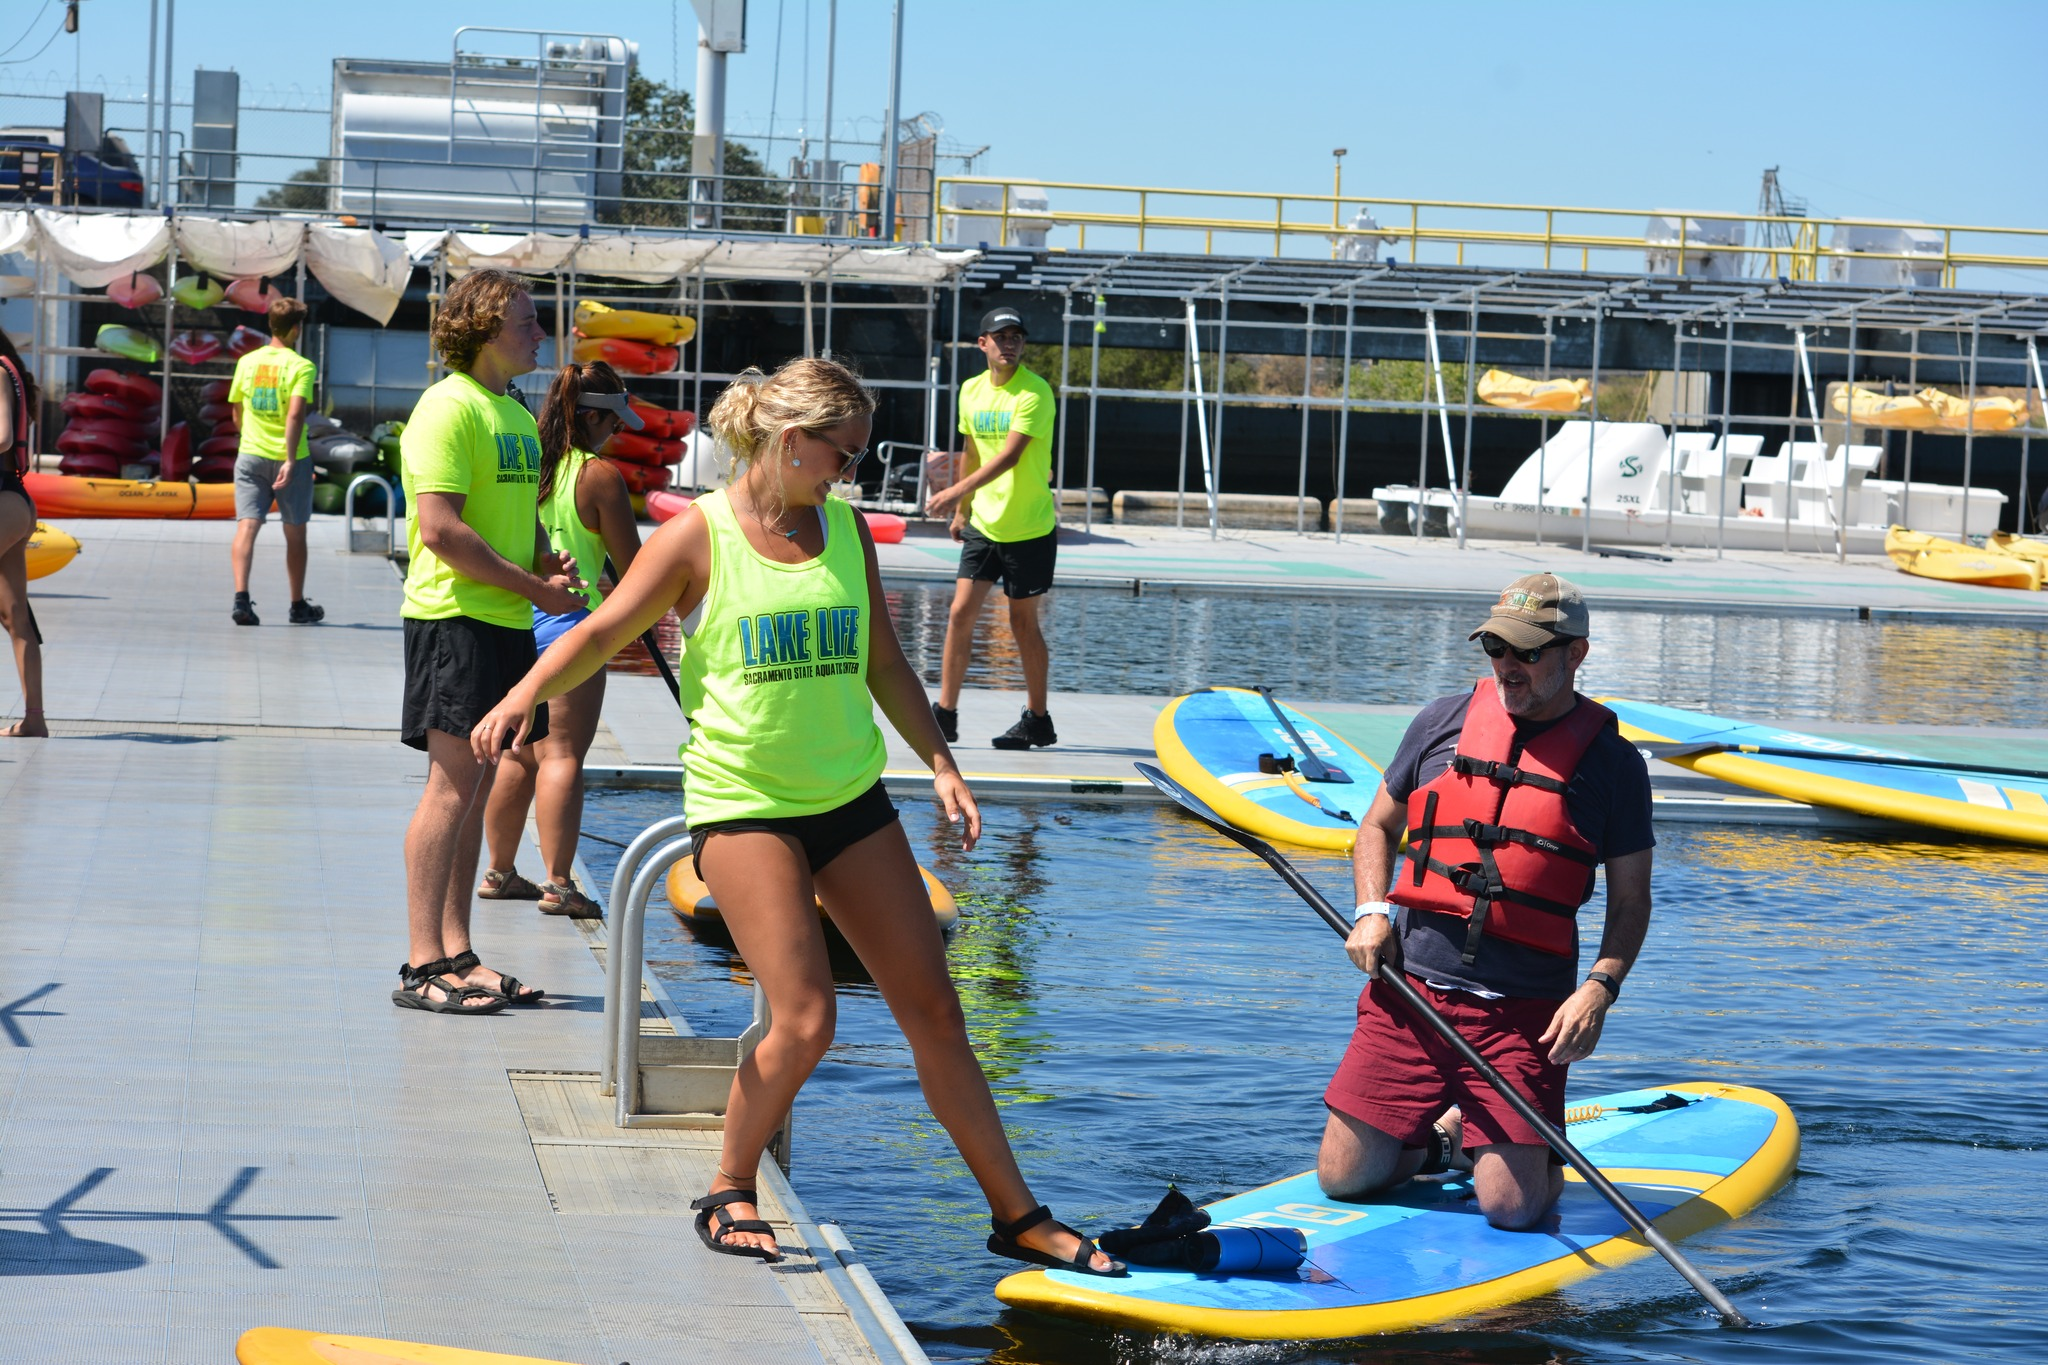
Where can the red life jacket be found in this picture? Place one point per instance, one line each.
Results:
(1491, 840)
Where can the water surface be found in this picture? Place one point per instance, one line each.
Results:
(1151, 1004)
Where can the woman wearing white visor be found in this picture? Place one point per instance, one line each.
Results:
(588, 514)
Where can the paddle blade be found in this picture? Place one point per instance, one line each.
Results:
(1181, 796)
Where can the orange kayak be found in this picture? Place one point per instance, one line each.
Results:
(65, 495)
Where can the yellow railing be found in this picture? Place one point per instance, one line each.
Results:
(1531, 227)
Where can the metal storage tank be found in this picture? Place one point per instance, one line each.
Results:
(518, 126)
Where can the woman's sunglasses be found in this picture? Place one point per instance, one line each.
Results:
(1497, 648)
(849, 460)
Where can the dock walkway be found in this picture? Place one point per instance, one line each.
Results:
(211, 1116)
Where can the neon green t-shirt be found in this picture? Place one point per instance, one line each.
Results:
(565, 528)
(266, 380)
(462, 438)
(1019, 505)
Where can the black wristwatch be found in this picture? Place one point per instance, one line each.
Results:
(1613, 986)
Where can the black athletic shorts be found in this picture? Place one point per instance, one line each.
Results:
(456, 670)
(1023, 567)
(824, 836)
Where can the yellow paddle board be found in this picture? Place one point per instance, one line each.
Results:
(692, 900)
(49, 549)
(290, 1346)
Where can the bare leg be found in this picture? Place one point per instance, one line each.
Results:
(880, 904)
(763, 887)
(244, 552)
(457, 786)
(294, 560)
(1517, 1183)
(17, 523)
(1031, 650)
(1357, 1159)
(511, 794)
(558, 809)
(969, 594)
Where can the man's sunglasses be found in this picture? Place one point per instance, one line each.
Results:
(1497, 648)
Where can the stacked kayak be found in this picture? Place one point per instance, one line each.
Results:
(1990, 802)
(1265, 767)
(64, 495)
(110, 425)
(1689, 1155)
(1951, 561)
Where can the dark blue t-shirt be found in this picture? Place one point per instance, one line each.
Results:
(1609, 801)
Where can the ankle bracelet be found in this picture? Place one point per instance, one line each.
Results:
(737, 1179)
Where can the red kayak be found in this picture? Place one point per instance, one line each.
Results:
(883, 528)
(137, 389)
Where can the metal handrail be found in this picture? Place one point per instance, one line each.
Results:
(623, 877)
(1148, 217)
(348, 511)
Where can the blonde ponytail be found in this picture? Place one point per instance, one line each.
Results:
(756, 409)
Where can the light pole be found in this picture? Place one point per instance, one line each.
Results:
(1337, 199)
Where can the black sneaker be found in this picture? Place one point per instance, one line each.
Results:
(307, 612)
(1031, 730)
(245, 611)
(949, 723)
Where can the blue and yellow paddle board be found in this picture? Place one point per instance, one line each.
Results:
(1210, 742)
(1422, 1254)
(1825, 773)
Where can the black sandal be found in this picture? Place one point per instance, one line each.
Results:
(509, 989)
(1003, 1242)
(415, 981)
(713, 1205)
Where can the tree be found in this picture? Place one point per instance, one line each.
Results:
(655, 189)
(304, 190)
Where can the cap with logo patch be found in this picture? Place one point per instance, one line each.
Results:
(1535, 610)
(996, 319)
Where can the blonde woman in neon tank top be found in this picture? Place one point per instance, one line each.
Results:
(780, 680)
(587, 514)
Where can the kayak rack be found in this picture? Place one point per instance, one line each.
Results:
(661, 1080)
(366, 541)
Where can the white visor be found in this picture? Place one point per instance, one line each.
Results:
(612, 403)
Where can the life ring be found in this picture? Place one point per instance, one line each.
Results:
(627, 356)
(139, 389)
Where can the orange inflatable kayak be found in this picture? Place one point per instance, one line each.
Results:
(884, 528)
(628, 356)
(64, 495)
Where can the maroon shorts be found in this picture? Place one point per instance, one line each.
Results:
(1398, 1076)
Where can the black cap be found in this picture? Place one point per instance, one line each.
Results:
(996, 319)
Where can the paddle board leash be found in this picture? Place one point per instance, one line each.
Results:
(1559, 1143)
(1300, 789)
(1315, 769)
(1666, 749)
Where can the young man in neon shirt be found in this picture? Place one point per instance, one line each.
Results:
(273, 384)
(1003, 515)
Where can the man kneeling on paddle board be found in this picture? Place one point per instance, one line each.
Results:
(1510, 795)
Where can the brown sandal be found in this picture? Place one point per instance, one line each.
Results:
(506, 886)
(557, 898)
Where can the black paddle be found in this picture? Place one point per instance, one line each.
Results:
(1672, 748)
(647, 640)
(1422, 1010)
(1313, 768)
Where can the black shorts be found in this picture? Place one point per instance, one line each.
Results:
(1023, 567)
(456, 670)
(824, 836)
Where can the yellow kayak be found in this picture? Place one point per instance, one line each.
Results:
(1951, 561)
(49, 549)
(692, 901)
(2005, 542)
(663, 329)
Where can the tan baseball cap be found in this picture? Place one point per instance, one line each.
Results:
(1536, 609)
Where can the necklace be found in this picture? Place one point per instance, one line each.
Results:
(755, 512)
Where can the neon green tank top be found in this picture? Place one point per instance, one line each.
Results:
(565, 528)
(774, 680)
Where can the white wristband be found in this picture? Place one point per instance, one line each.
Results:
(1372, 908)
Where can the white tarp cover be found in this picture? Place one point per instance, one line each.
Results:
(652, 260)
(365, 270)
(769, 260)
(238, 250)
(16, 228)
(532, 253)
(95, 249)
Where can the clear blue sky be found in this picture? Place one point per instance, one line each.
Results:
(1871, 109)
